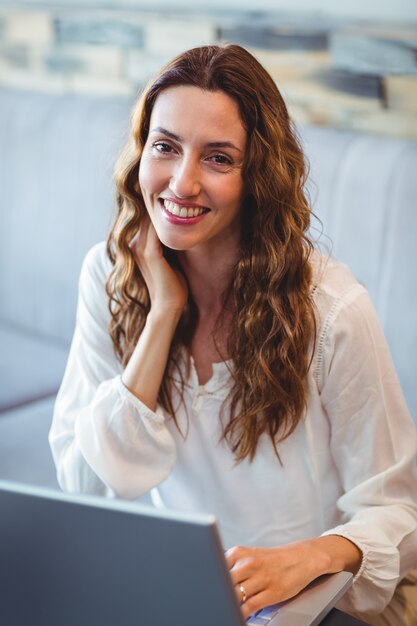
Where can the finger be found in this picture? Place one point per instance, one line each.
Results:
(239, 573)
(248, 588)
(242, 593)
(233, 555)
(138, 241)
(145, 245)
(256, 602)
(244, 568)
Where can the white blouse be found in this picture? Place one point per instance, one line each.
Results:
(349, 468)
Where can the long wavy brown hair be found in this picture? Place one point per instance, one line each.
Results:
(272, 336)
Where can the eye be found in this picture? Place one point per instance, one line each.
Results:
(220, 161)
(162, 147)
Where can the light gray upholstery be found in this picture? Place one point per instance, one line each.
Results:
(24, 451)
(57, 156)
(31, 367)
(56, 200)
(366, 197)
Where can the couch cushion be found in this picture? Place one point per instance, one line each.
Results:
(57, 157)
(365, 190)
(30, 367)
(24, 450)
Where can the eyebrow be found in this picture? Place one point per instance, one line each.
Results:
(210, 144)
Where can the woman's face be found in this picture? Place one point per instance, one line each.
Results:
(190, 172)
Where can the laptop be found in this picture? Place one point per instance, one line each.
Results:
(70, 560)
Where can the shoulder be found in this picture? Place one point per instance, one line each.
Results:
(95, 270)
(335, 288)
(348, 328)
(96, 266)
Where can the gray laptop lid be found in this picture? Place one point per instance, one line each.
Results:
(85, 561)
(82, 561)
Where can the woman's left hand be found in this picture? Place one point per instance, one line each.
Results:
(269, 575)
(265, 576)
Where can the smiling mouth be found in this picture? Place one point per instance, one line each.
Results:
(182, 211)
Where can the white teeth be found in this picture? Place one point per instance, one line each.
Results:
(182, 211)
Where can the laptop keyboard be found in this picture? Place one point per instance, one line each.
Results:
(263, 617)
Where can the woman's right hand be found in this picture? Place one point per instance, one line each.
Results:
(168, 293)
(167, 286)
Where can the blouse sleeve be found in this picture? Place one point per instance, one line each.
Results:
(373, 443)
(103, 439)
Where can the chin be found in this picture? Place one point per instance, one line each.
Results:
(172, 243)
(175, 242)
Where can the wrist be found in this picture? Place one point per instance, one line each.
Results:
(338, 554)
(165, 312)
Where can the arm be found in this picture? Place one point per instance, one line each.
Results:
(271, 575)
(168, 294)
(373, 443)
(104, 439)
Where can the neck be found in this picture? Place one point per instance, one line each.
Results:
(208, 277)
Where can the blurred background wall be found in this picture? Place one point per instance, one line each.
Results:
(348, 65)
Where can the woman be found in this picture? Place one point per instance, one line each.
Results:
(222, 363)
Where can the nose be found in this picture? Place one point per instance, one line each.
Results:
(185, 179)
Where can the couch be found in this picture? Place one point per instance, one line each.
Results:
(56, 200)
